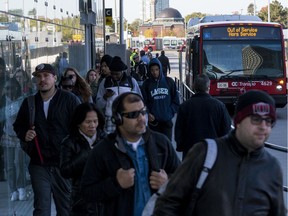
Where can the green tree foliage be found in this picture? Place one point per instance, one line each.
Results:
(250, 9)
(149, 33)
(194, 15)
(3, 18)
(16, 12)
(32, 12)
(68, 32)
(277, 13)
(134, 27)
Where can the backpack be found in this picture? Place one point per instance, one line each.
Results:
(210, 159)
(25, 145)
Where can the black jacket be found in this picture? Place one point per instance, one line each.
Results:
(239, 184)
(200, 117)
(139, 71)
(74, 154)
(99, 178)
(51, 131)
(165, 64)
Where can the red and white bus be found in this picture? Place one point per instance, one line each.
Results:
(170, 43)
(153, 44)
(238, 56)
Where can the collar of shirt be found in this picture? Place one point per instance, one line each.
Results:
(134, 145)
(89, 140)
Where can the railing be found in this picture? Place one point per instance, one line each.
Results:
(185, 93)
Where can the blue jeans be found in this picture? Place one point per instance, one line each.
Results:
(46, 181)
(15, 167)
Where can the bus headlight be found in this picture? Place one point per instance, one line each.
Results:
(279, 87)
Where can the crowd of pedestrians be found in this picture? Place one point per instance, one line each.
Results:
(101, 144)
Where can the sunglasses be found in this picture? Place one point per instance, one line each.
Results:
(257, 120)
(135, 114)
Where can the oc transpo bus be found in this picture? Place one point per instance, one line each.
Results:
(238, 53)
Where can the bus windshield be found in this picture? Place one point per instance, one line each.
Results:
(242, 58)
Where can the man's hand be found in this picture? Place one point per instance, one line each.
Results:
(125, 178)
(30, 134)
(157, 179)
(109, 93)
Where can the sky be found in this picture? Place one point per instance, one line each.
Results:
(185, 7)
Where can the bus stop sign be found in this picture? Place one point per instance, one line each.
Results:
(108, 16)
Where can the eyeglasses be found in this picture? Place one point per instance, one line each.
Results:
(257, 120)
(135, 114)
(67, 86)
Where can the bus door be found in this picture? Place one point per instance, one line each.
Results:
(192, 60)
(195, 57)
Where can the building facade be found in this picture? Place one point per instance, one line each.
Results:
(169, 22)
(147, 8)
(34, 32)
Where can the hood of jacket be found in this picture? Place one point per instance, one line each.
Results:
(155, 61)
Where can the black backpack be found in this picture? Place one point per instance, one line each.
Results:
(210, 159)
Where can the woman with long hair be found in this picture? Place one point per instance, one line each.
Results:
(81, 87)
(85, 132)
(92, 78)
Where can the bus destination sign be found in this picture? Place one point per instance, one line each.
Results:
(241, 32)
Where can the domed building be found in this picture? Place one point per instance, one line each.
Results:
(169, 22)
(170, 14)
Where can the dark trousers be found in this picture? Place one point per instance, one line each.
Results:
(163, 127)
(46, 181)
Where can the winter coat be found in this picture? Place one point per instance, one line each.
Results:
(74, 154)
(200, 117)
(50, 131)
(99, 181)
(160, 95)
(239, 184)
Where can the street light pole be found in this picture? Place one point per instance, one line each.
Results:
(268, 10)
(254, 7)
(121, 23)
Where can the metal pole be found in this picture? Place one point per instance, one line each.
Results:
(121, 23)
(180, 66)
(104, 26)
(87, 46)
(254, 7)
(268, 10)
(116, 21)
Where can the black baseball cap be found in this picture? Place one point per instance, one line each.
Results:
(44, 68)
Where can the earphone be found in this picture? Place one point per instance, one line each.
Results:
(116, 115)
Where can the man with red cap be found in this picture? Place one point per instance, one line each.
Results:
(245, 179)
(53, 109)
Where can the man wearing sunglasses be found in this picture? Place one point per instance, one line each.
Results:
(245, 179)
(128, 166)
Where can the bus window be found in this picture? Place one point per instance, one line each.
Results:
(243, 58)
